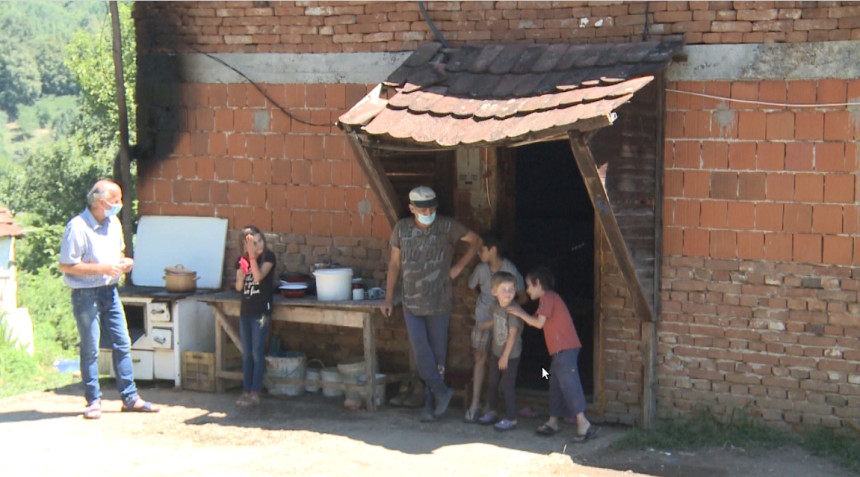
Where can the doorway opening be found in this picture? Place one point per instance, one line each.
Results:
(555, 228)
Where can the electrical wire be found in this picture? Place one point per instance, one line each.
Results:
(765, 103)
(432, 26)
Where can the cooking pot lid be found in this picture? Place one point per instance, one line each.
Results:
(178, 270)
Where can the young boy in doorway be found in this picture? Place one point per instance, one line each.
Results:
(507, 346)
(492, 261)
(566, 396)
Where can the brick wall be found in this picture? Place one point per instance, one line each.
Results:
(326, 27)
(761, 252)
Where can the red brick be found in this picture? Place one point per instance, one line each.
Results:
(750, 245)
(827, 219)
(180, 191)
(715, 154)
(294, 146)
(832, 91)
(199, 191)
(770, 156)
(777, 247)
(320, 223)
(301, 222)
(673, 240)
(809, 125)
(696, 184)
(773, 91)
(798, 156)
(274, 146)
(806, 248)
(768, 216)
(380, 228)
(217, 144)
(261, 170)
(321, 173)
(801, 92)
(281, 221)
(696, 242)
(223, 169)
(838, 125)
(780, 125)
(713, 214)
(687, 213)
(187, 167)
(256, 195)
(742, 155)
(724, 185)
(216, 95)
(687, 154)
(741, 215)
(723, 244)
(751, 125)
(237, 193)
(281, 171)
(751, 185)
(830, 156)
(223, 119)
(276, 196)
(839, 188)
(673, 183)
(294, 96)
(313, 146)
(851, 220)
(205, 168)
(301, 172)
(809, 187)
(746, 90)
(236, 93)
(315, 197)
(797, 218)
(674, 123)
(241, 169)
(341, 173)
(335, 146)
(837, 250)
(697, 124)
(255, 145)
(297, 197)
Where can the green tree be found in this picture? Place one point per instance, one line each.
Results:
(20, 81)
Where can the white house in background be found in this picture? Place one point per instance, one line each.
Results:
(16, 321)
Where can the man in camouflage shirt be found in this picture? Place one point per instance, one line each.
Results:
(422, 249)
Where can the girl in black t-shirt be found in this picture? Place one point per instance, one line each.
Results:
(254, 280)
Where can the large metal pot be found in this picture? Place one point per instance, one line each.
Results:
(178, 279)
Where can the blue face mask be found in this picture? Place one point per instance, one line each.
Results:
(427, 219)
(114, 209)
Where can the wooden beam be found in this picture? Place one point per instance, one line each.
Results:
(379, 182)
(124, 158)
(649, 374)
(603, 210)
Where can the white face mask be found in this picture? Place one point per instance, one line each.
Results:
(114, 209)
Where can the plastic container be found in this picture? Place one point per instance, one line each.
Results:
(334, 284)
(350, 372)
(313, 373)
(331, 375)
(378, 388)
(287, 364)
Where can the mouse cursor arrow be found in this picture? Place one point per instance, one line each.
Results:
(544, 374)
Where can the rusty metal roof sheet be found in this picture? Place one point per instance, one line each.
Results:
(8, 227)
(503, 94)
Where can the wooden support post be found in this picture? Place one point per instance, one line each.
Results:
(379, 182)
(649, 378)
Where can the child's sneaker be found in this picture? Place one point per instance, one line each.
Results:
(505, 425)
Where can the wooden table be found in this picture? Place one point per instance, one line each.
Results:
(351, 314)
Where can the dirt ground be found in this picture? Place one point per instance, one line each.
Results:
(199, 434)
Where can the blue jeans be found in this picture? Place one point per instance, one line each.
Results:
(253, 330)
(566, 397)
(98, 309)
(428, 336)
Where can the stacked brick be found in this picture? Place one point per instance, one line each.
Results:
(327, 27)
(761, 252)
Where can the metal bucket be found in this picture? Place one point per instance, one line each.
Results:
(331, 375)
(313, 373)
(350, 372)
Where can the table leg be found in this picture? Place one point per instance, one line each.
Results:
(370, 361)
(219, 357)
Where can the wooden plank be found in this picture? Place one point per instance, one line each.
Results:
(222, 320)
(603, 210)
(370, 361)
(319, 316)
(649, 378)
(379, 182)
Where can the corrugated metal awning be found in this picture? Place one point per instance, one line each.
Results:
(482, 95)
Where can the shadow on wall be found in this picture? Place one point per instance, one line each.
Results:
(158, 97)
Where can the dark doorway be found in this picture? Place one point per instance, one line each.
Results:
(555, 228)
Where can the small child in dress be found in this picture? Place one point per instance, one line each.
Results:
(254, 278)
(566, 397)
(492, 261)
(507, 345)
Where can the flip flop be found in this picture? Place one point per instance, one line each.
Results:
(489, 419)
(146, 407)
(93, 411)
(546, 430)
(589, 434)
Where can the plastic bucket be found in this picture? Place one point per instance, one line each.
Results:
(350, 372)
(330, 375)
(378, 388)
(334, 284)
(287, 364)
(313, 373)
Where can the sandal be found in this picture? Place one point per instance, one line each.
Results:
(145, 407)
(546, 430)
(505, 425)
(589, 434)
(488, 419)
(242, 400)
(93, 411)
(472, 416)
